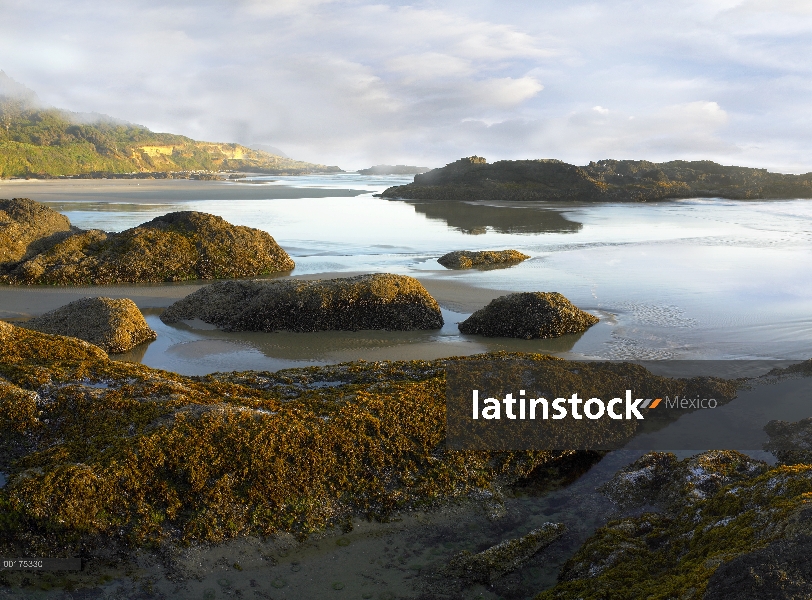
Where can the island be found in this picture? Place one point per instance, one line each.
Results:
(473, 178)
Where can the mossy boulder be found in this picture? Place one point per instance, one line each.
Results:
(115, 325)
(177, 246)
(466, 259)
(25, 226)
(376, 301)
(528, 315)
(505, 557)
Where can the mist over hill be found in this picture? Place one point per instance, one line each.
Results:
(40, 141)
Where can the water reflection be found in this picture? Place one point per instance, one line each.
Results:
(475, 218)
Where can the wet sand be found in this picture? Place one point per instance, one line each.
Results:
(159, 190)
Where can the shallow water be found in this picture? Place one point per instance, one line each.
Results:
(706, 279)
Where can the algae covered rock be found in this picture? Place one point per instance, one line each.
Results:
(528, 315)
(116, 325)
(177, 246)
(376, 301)
(465, 259)
(781, 571)
(507, 556)
(659, 479)
(24, 225)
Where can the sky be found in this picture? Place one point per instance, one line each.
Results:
(355, 83)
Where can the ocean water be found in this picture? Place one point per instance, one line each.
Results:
(686, 279)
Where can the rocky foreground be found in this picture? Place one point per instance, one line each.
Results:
(104, 456)
(473, 178)
(40, 247)
(376, 301)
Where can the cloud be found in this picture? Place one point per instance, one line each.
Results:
(353, 82)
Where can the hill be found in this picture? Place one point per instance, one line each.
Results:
(37, 141)
(393, 170)
(605, 180)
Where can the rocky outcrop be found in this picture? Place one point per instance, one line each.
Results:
(178, 246)
(723, 526)
(473, 178)
(497, 561)
(528, 315)
(377, 301)
(115, 325)
(466, 259)
(25, 226)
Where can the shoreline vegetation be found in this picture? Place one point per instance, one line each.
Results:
(39, 142)
(473, 178)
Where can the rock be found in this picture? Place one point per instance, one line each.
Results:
(491, 564)
(781, 571)
(178, 246)
(377, 301)
(791, 443)
(473, 178)
(465, 259)
(24, 225)
(113, 325)
(659, 479)
(528, 315)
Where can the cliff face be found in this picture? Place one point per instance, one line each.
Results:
(606, 180)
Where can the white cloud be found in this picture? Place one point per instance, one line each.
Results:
(352, 82)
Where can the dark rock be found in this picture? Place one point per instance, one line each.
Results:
(606, 180)
(24, 225)
(781, 571)
(465, 259)
(791, 443)
(528, 315)
(377, 301)
(115, 325)
(175, 247)
(491, 564)
(659, 479)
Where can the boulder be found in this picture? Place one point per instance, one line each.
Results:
(528, 315)
(115, 325)
(491, 564)
(24, 225)
(177, 246)
(376, 301)
(465, 259)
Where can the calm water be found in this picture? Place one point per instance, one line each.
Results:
(705, 279)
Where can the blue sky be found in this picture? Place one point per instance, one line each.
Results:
(356, 83)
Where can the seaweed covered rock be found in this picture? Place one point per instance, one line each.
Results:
(25, 225)
(376, 301)
(115, 325)
(659, 479)
(528, 315)
(466, 259)
(497, 561)
(177, 246)
(780, 571)
(791, 443)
